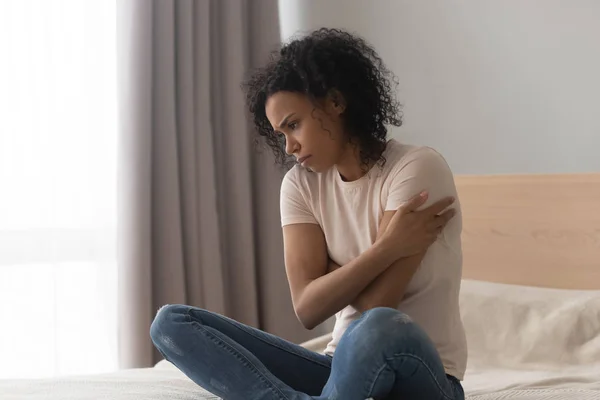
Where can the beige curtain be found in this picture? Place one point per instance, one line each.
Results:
(198, 207)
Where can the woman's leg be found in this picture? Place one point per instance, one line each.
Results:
(384, 355)
(235, 361)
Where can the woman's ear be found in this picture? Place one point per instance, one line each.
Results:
(337, 101)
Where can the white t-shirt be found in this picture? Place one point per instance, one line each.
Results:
(349, 214)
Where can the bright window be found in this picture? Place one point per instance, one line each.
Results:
(58, 151)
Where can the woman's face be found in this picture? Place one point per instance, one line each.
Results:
(314, 135)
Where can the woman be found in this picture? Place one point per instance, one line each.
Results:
(369, 236)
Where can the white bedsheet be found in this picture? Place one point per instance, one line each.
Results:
(165, 382)
(498, 383)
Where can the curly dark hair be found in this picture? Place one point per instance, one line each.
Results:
(329, 60)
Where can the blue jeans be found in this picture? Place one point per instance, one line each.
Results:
(383, 355)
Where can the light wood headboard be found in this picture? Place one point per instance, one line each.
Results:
(536, 230)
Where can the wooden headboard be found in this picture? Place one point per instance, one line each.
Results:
(535, 230)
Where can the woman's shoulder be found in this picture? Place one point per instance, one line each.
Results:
(290, 179)
(297, 174)
(399, 156)
(300, 179)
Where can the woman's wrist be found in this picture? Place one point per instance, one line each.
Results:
(382, 248)
(388, 252)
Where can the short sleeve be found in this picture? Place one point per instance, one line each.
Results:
(421, 169)
(294, 206)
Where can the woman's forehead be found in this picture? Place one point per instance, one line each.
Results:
(285, 100)
(280, 104)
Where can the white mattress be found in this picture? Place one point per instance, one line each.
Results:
(165, 382)
(524, 343)
(496, 384)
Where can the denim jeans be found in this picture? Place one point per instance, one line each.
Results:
(382, 355)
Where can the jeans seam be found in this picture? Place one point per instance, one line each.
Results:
(375, 378)
(428, 369)
(241, 357)
(269, 343)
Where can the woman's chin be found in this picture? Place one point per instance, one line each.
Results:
(316, 167)
(310, 164)
(309, 167)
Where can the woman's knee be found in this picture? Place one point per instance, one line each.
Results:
(166, 324)
(383, 326)
(381, 315)
(385, 317)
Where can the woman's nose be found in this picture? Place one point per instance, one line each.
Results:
(291, 146)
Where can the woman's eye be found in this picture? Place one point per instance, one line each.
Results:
(293, 125)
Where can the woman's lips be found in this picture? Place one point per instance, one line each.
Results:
(302, 159)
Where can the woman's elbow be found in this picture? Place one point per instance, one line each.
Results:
(306, 316)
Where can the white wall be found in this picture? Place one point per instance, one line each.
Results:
(504, 86)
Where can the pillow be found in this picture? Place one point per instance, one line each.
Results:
(529, 327)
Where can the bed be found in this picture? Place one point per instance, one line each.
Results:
(530, 300)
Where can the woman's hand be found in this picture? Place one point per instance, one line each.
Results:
(411, 232)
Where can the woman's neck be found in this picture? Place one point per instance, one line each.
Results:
(350, 165)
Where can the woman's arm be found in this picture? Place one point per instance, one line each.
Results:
(387, 289)
(426, 168)
(316, 294)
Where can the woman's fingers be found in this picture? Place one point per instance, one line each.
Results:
(446, 216)
(438, 206)
(414, 203)
(438, 222)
